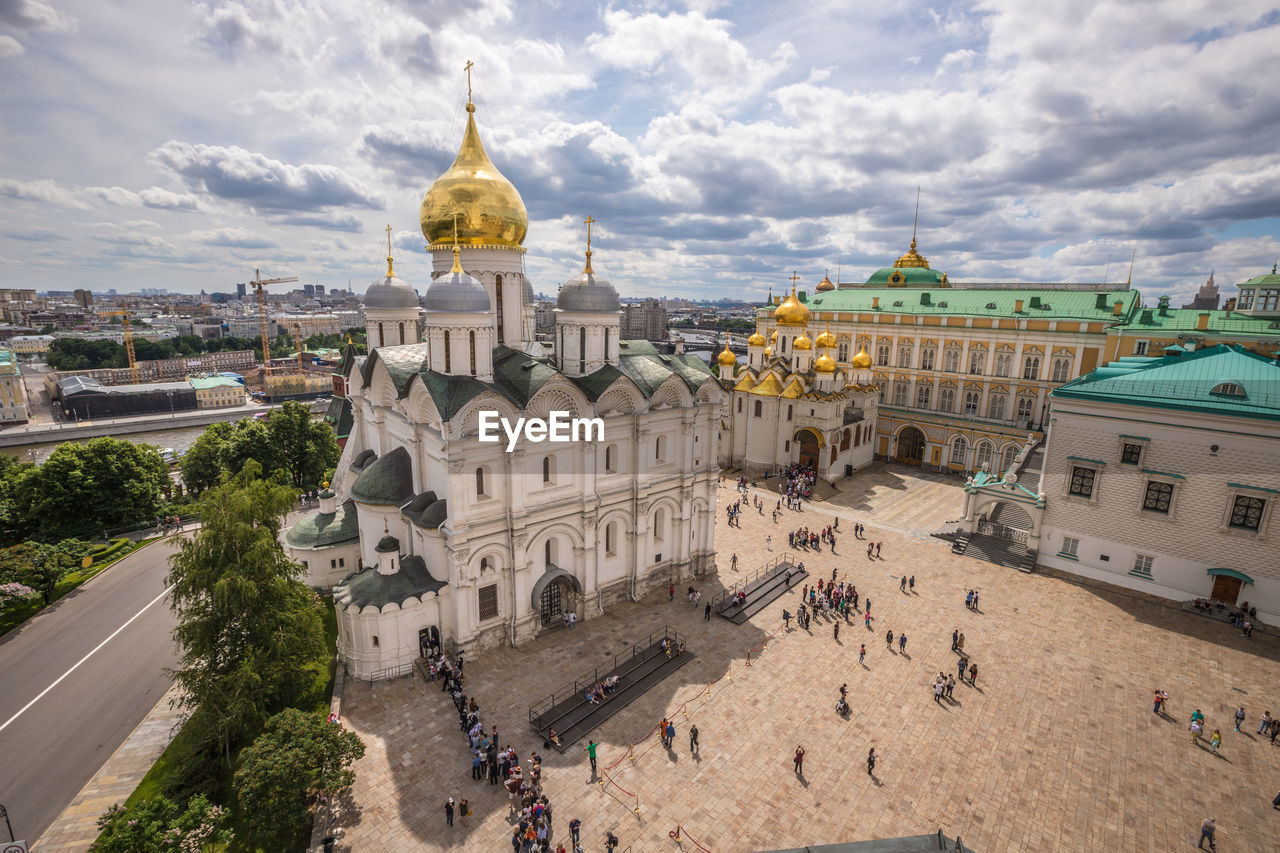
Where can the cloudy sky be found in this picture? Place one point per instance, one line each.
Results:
(158, 143)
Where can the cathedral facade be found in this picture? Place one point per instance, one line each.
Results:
(433, 532)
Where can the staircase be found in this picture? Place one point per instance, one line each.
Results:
(993, 549)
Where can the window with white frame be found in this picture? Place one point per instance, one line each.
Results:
(947, 400)
(923, 392)
(971, 399)
(977, 361)
(927, 356)
(1061, 369)
(1246, 512)
(1026, 405)
(1004, 362)
(1140, 347)
(1142, 564)
(1159, 497)
(982, 455)
(1131, 453)
(1031, 367)
(900, 393)
(904, 355)
(951, 359)
(1070, 546)
(1006, 461)
(882, 355)
(842, 350)
(1082, 481)
(995, 409)
(959, 449)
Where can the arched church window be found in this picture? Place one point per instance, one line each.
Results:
(479, 481)
(549, 552)
(611, 539)
(381, 339)
(472, 334)
(845, 439)
(759, 408)
(659, 525)
(548, 469)
(448, 356)
(582, 350)
(497, 297)
(401, 325)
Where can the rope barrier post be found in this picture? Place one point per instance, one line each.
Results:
(748, 657)
(637, 809)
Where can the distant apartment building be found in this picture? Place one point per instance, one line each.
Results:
(165, 370)
(217, 392)
(83, 298)
(31, 344)
(247, 327)
(311, 324)
(645, 320)
(13, 398)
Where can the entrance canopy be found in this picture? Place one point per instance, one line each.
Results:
(1232, 573)
(813, 433)
(553, 573)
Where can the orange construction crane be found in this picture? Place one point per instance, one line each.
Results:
(297, 339)
(128, 340)
(258, 283)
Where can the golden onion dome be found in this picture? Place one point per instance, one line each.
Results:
(825, 285)
(487, 207)
(826, 339)
(792, 312)
(756, 340)
(802, 342)
(912, 259)
(862, 361)
(726, 357)
(768, 352)
(825, 364)
(773, 336)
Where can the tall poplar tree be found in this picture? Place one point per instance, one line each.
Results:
(247, 626)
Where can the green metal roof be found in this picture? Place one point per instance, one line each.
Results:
(1186, 382)
(1270, 279)
(339, 416)
(320, 530)
(369, 588)
(1149, 321)
(910, 275)
(203, 383)
(388, 481)
(1231, 573)
(951, 302)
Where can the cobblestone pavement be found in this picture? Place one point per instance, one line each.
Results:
(1056, 748)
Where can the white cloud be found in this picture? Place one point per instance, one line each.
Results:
(34, 15)
(9, 46)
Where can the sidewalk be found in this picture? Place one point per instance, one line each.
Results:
(77, 827)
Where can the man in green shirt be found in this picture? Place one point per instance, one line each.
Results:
(591, 753)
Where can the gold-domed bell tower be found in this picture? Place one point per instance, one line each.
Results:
(727, 360)
(490, 219)
(792, 316)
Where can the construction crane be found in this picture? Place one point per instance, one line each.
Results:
(258, 283)
(297, 340)
(127, 333)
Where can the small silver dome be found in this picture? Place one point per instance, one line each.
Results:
(390, 293)
(528, 293)
(457, 293)
(588, 293)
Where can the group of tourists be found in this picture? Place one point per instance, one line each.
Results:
(811, 540)
(168, 524)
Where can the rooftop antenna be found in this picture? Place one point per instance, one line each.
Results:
(587, 269)
(1106, 270)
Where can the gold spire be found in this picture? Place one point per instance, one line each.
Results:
(390, 272)
(457, 253)
(727, 358)
(913, 258)
(586, 270)
(493, 214)
(1131, 259)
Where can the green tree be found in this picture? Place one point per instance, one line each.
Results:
(203, 465)
(37, 566)
(306, 447)
(297, 761)
(251, 439)
(158, 825)
(14, 516)
(247, 626)
(83, 488)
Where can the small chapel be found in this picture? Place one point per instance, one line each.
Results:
(789, 405)
(427, 535)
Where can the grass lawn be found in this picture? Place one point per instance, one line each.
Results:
(165, 774)
(20, 613)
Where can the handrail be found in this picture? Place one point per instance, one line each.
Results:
(392, 672)
(537, 711)
(717, 603)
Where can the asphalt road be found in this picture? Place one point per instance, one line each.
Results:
(52, 748)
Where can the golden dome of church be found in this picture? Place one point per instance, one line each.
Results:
(802, 342)
(861, 361)
(756, 340)
(792, 312)
(825, 364)
(487, 206)
(826, 339)
(825, 285)
(726, 357)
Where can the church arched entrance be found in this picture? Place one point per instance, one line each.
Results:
(1005, 520)
(555, 594)
(809, 447)
(911, 446)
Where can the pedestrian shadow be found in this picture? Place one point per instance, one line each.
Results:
(954, 701)
(1162, 715)
(977, 688)
(696, 755)
(943, 705)
(905, 655)
(1223, 757)
(803, 780)
(875, 780)
(1248, 735)
(863, 664)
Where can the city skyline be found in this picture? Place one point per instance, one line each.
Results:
(719, 145)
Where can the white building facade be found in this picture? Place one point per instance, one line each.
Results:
(1163, 475)
(447, 538)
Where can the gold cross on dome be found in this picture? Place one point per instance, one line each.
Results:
(388, 239)
(794, 277)
(390, 271)
(589, 222)
(467, 68)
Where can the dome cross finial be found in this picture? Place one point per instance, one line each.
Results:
(467, 68)
(457, 253)
(586, 270)
(390, 272)
(915, 220)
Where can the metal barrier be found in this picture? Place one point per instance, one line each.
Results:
(595, 676)
(717, 603)
(392, 672)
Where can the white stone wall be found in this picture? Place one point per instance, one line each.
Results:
(326, 566)
(1112, 527)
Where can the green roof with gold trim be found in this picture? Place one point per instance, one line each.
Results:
(1083, 305)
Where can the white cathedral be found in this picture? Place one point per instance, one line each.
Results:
(429, 535)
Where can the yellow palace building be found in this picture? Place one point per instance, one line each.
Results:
(963, 372)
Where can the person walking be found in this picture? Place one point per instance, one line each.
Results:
(1215, 741)
(575, 828)
(662, 731)
(902, 584)
(693, 739)
(768, 543)
(1239, 717)
(464, 810)
(911, 583)
(448, 812)
(968, 599)
(888, 640)
(1196, 728)
(955, 636)
(1266, 722)
(862, 652)
(1207, 829)
(902, 643)
(671, 734)
(799, 761)
(591, 754)
(973, 675)
(960, 642)
(671, 590)
(938, 687)
(836, 632)
(878, 544)
(871, 762)
(962, 665)
(951, 685)
(866, 619)
(706, 612)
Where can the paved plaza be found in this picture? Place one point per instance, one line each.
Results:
(1056, 748)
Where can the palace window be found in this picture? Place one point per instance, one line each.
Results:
(947, 400)
(982, 455)
(1082, 481)
(882, 355)
(900, 394)
(1031, 367)
(880, 389)
(1004, 361)
(1131, 454)
(923, 392)
(488, 597)
(1245, 302)
(1246, 512)
(1006, 461)
(995, 409)
(1268, 299)
(904, 356)
(927, 357)
(1140, 347)
(951, 360)
(1025, 406)
(959, 448)
(1159, 496)
(842, 350)
(971, 402)
(1061, 369)
(977, 360)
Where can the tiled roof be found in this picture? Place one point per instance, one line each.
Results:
(1036, 304)
(1186, 382)
(369, 588)
(1150, 321)
(320, 530)
(386, 482)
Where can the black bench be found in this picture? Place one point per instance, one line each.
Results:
(762, 589)
(572, 715)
